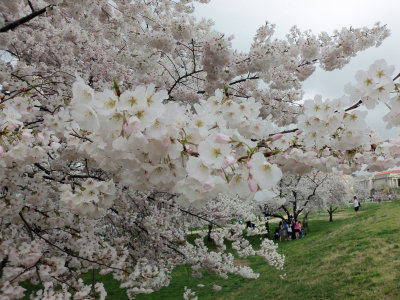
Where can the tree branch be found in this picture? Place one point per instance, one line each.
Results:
(244, 79)
(31, 6)
(182, 77)
(15, 24)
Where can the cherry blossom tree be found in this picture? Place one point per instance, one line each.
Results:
(297, 194)
(336, 192)
(302, 194)
(123, 121)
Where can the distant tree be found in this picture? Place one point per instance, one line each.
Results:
(335, 192)
(302, 194)
(296, 194)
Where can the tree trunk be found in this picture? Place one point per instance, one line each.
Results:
(267, 229)
(295, 213)
(210, 228)
(331, 210)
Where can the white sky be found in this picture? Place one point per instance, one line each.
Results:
(242, 18)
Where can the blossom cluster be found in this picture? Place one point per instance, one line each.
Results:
(92, 198)
(191, 134)
(19, 143)
(373, 86)
(195, 154)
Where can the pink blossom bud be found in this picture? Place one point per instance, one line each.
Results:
(40, 137)
(229, 161)
(300, 131)
(188, 150)
(248, 164)
(277, 136)
(221, 138)
(2, 151)
(181, 132)
(252, 185)
(125, 128)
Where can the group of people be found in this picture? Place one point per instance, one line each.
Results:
(291, 230)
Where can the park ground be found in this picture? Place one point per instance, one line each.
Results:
(349, 258)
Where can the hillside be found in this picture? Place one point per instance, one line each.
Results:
(353, 257)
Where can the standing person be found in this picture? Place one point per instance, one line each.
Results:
(297, 228)
(281, 230)
(289, 230)
(356, 205)
(285, 229)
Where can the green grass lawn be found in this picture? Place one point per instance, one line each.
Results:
(352, 257)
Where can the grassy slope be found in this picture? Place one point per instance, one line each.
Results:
(353, 257)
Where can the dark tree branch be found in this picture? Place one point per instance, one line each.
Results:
(15, 24)
(244, 79)
(354, 105)
(31, 6)
(81, 137)
(180, 78)
(42, 168)
(29, 229)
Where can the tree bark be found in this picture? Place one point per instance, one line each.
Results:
(331, 210)
(267, 229)
(210, 228)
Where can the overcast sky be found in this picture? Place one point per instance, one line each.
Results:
(242, 18)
